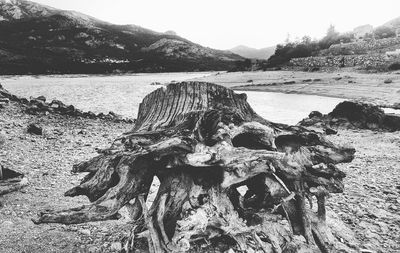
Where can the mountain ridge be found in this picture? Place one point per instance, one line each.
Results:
(39, 39)
(253, 53)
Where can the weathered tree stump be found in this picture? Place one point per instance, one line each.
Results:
(206, 144)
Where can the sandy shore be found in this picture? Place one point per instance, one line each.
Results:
(370, 204)
(349, 85)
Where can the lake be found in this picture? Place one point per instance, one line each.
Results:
(123, 93)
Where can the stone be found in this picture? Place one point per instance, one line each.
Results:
(85, 232)
(41, 98)
(7, 224)
(116, 246)
(2, 140)
(367, 251)
(54, 105)
(315, 114)
(93, 249)
(330, 131)
(4, 100)
(353, 115)
(34, 129)
(289, 82)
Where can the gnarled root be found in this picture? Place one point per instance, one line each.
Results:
(187, 216)
(132, 178)
(204, 142)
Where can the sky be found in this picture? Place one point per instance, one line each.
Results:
(224, 24)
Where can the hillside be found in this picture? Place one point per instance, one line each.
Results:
(364, 48)
(253, 53)
(393, 23)
(39, 39)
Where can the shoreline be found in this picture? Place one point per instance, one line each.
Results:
(78, 75)
(285, 92)
(382, 89)
(394, 107)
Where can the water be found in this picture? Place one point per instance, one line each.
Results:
(391, 110)
(289, 108)
(123, 93)
(97, 93)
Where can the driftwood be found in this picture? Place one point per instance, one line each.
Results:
(351, 114)
(11, 180)
(229, 178)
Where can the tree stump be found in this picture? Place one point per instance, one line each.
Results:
(229, 179)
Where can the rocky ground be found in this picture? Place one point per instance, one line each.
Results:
(370, 205)
(46, 160)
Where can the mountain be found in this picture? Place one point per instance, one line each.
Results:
(12, 10)
(253, 53)
(38, 39)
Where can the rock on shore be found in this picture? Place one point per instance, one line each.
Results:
(350, 114)
(40, 106)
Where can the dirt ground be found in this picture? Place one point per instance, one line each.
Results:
(47, 161)
(344, 84)
(370, 205)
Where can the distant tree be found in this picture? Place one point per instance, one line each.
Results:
(244, 65)
(346, 37)
(306, 47)
(331, 32)
(284, 52)
(287, 40)
(384, 32)
(331, 37)
(306, 40)
(369, 36)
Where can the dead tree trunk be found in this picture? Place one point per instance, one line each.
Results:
(206, 144)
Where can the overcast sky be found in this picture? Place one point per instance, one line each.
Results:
(224, 24)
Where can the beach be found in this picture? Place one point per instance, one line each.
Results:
(369, 205)
(382, 89)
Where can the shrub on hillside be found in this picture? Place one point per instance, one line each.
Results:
(394, 66)
(306, 47)
(383, 32)
(244, 65)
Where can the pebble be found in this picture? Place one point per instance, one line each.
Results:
(7, 224)
(116, 246)
(85, 231)
(367, 251)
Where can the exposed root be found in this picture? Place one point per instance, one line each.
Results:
(203, 141)
(133, 180)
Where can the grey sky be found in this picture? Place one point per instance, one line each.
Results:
(224, 24)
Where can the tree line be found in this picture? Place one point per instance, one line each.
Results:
(306, 47)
